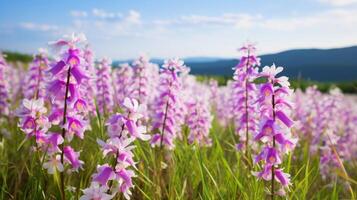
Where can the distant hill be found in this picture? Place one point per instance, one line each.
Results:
(339, 64)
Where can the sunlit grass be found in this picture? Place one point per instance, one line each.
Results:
(217, 172)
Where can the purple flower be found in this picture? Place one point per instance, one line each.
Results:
(53, 164)
(244, 95)
(97, 192)
(105, 90)
(87, 89)
(4, 87)
(123, 129)
(75, 126)
(35, 80)
(33, 121)
(53, 141)
(123, 78)
(282, 178)
(105, 173)
(166, 122)
(199, 121)
(141, 78)
(274, 132)
(72, 157)
(68, 76)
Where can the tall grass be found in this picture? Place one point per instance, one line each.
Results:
(217, 172)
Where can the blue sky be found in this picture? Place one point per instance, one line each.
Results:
(124, 29)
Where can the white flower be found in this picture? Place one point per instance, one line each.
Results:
(272, 71)
(53, 164)
(96, 192)
(35, 107)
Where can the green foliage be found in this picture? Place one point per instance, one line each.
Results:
(17, 57)
(217, 172)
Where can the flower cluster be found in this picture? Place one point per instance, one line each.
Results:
(144, 83)
(320, 123)
(214, 98)
(140, 88)
(105, 90)
(122, 131)
(35, 81)
(15, 73)
(165, 121)
(88, 87)
(199, 121)
(223, 112)
(123, 78)
(274, 129)
(244, 94)
(68, 107)
(33, 120)
(4, 87)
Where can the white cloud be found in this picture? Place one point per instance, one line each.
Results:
(38, 27)
(244, 20)
(339, 2)
(133, 17)
(231, 19)
(219, 35)
(102, 14)
(108, 25)
(324, 19)
(78, 13)
(341, 18)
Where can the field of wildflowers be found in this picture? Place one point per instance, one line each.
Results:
(73, 127)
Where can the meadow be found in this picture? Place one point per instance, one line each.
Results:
(73, 127)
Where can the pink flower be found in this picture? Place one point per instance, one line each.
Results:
(105, 173)
(35, 80)
(33, 121)
(4, 87)
(244, 95)
(123, 78)
(199, 121)
(96, 192)
(53, 164)
(72, 157)
(166, 122)
(282, 178)
(53, 140)
(123, 129)
(68, 75)
(105, 90)
(75, 126)
(274, 132)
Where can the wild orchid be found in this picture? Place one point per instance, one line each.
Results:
(88, 88)
(122, 131)
(141, 79)
(105, 90)
(67, 74)
(33, 120)
(274, 131)
(244, 95)
(165, 122)
(123, 78)
(199, 119)
(35, 83)
(4, 87)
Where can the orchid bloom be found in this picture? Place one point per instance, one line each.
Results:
(165, 122)
(274, 132)
(123, 130)
(244, 96)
